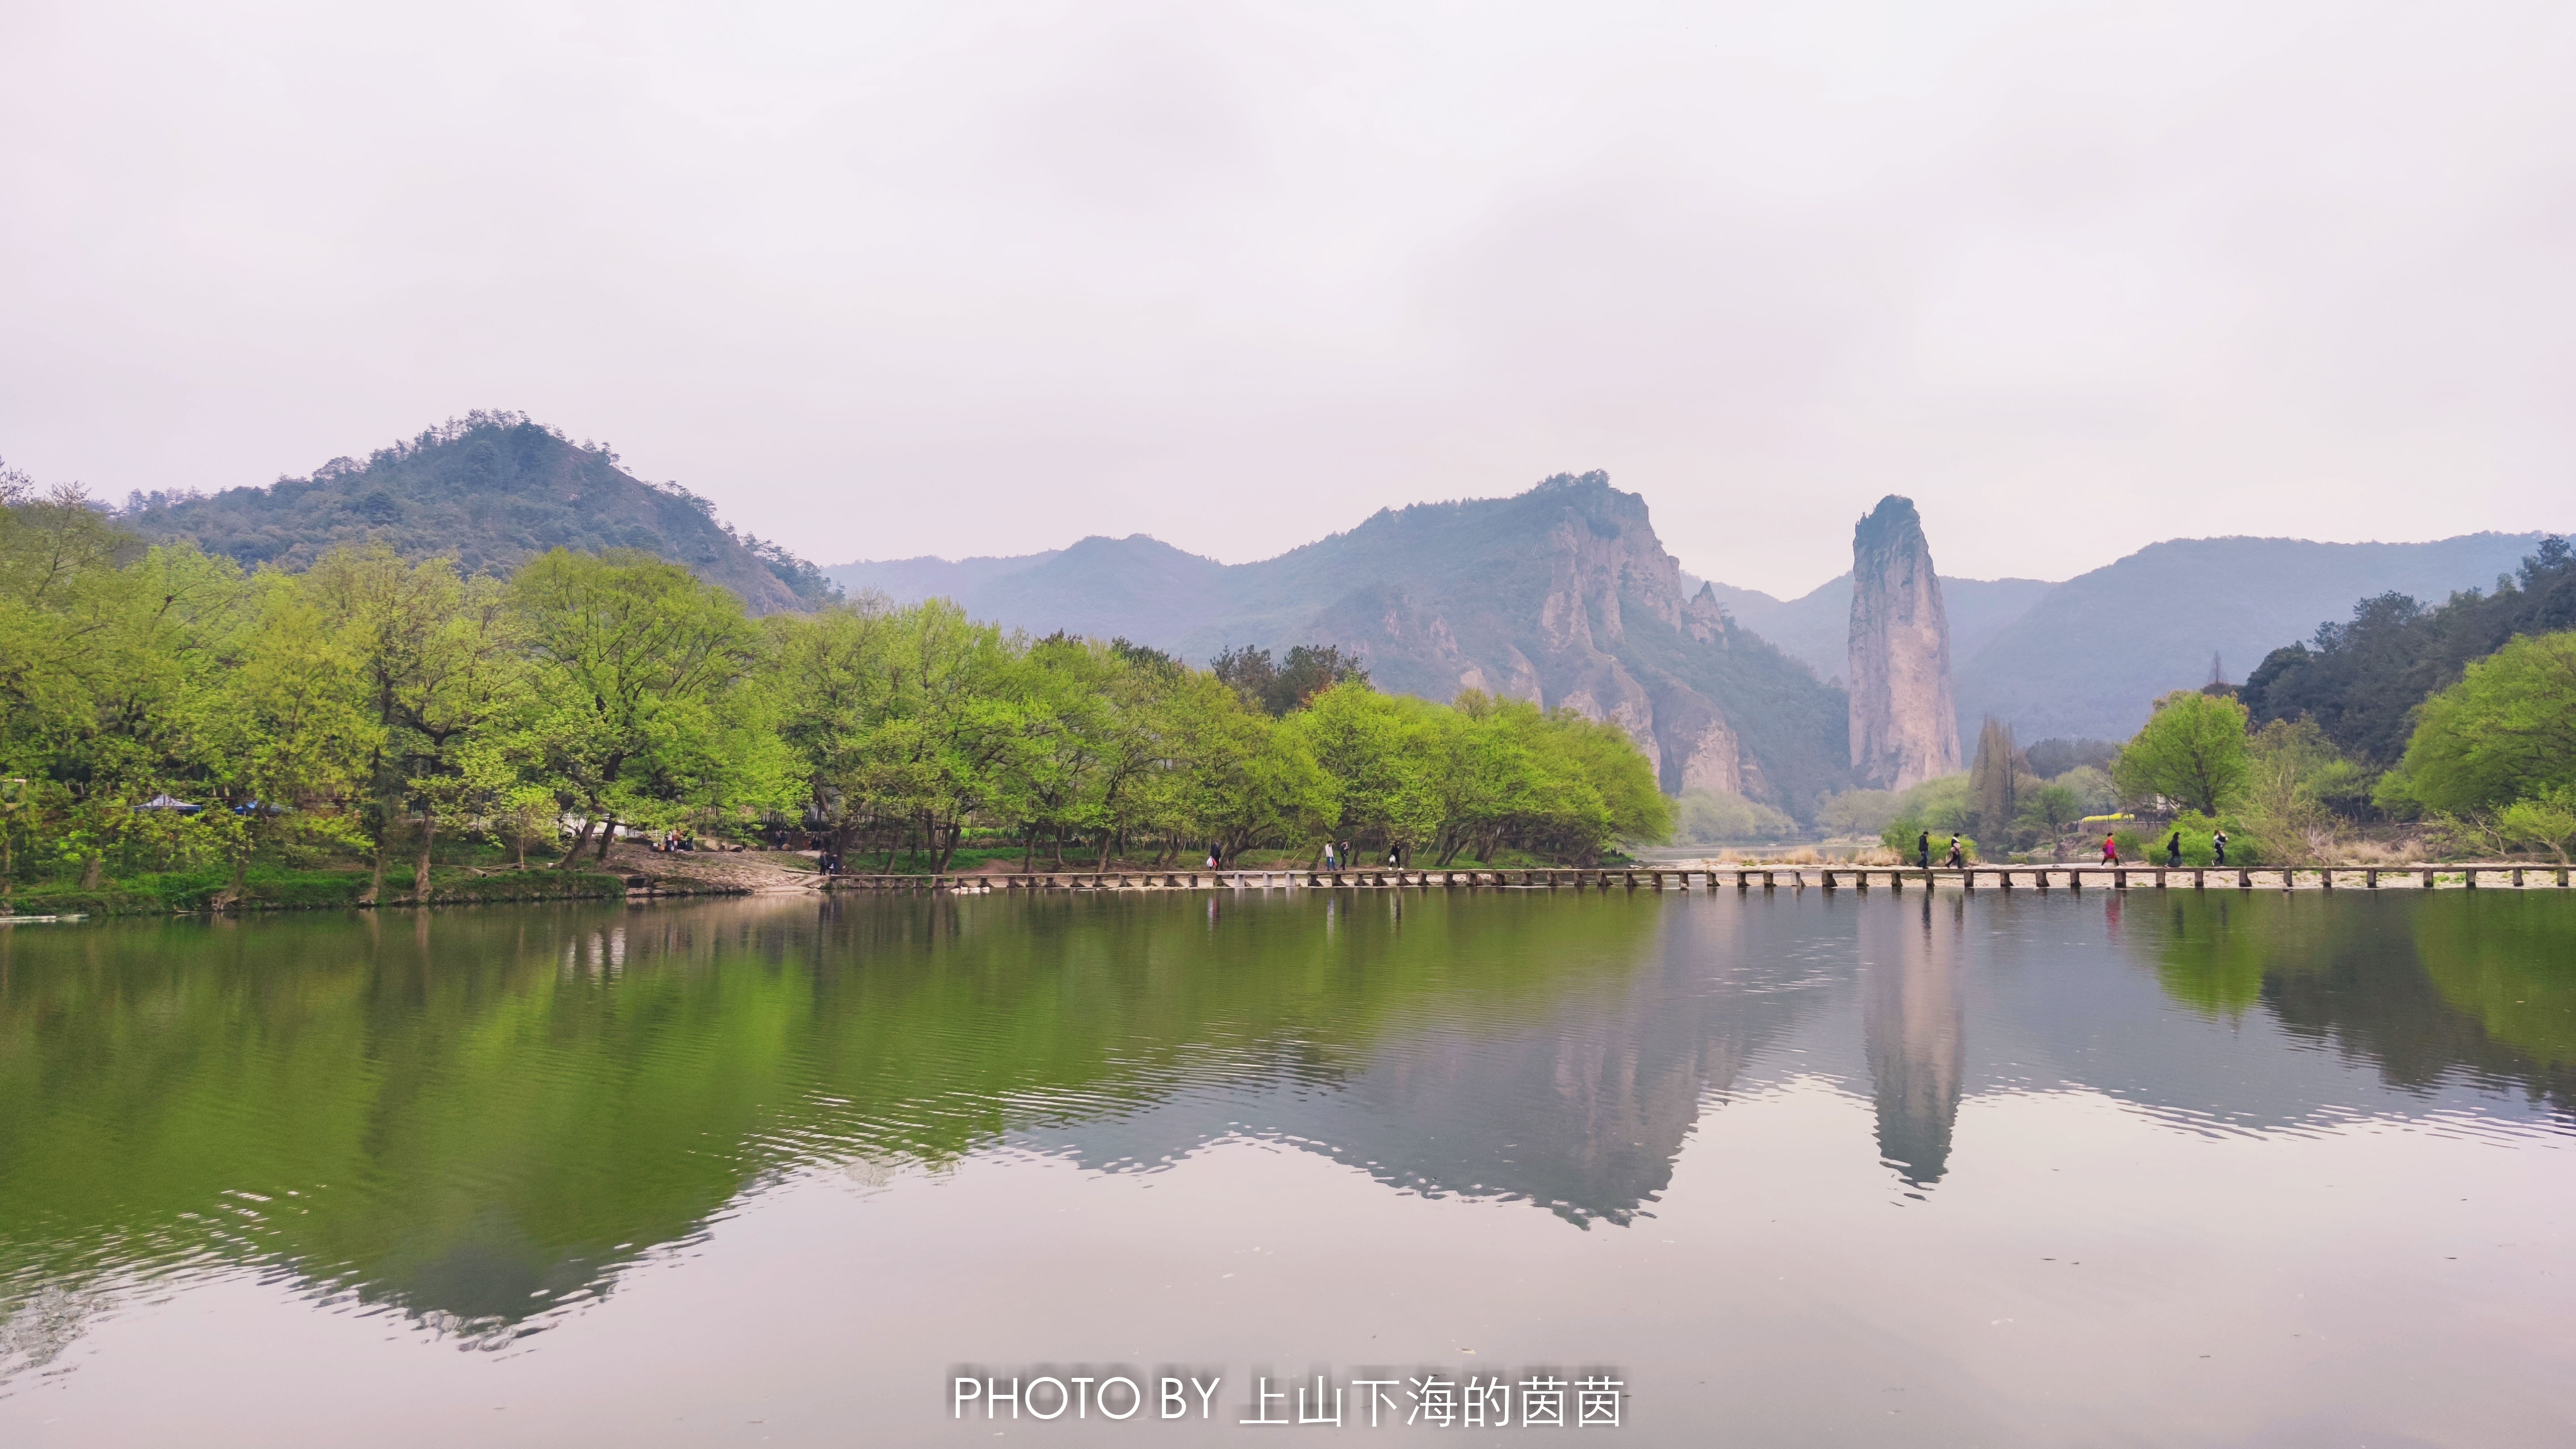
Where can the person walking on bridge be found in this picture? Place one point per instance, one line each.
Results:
(1923, 851)
(2110, 848)
(1958, 857)
(2173, 849)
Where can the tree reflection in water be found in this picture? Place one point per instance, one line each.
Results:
(479, 1117)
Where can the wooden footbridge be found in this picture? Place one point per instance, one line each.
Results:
(1745, 878)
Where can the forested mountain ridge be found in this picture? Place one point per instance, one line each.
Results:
(2361, 679)
(493, 489)
(1561, 595)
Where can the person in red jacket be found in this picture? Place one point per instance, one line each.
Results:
(2110, 849)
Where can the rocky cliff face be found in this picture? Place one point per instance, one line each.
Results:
(1564, 596)
(1904, 719)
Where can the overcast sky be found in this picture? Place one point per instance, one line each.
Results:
(950, 278)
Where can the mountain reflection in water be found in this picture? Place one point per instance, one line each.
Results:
(1917, 1037)
(478, 1117)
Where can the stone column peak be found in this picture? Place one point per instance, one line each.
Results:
(1904, 714)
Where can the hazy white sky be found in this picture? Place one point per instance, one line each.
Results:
(982, 278)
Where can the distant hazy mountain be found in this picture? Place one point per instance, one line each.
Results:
(2089, 657)
(910, 580)
(1561, 595)
(491, 488)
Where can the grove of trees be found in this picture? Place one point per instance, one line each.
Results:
(371, 706)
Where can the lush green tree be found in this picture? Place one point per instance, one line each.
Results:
(112, 658)
(2192, 752)
(294, 722)
(960, 717)
(1492, 778)
(437, 657)
(1384, 754)
(59, 575)
(2546, 820)
(1583, 786)
(1249, 779)
(1059, 780)
(1140, 790)
(2505, 732)
(908, 723)
(832, 678)
(631, 657)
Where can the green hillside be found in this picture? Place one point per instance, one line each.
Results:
(492, 489)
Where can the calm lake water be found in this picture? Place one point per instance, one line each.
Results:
(2156, 1170)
